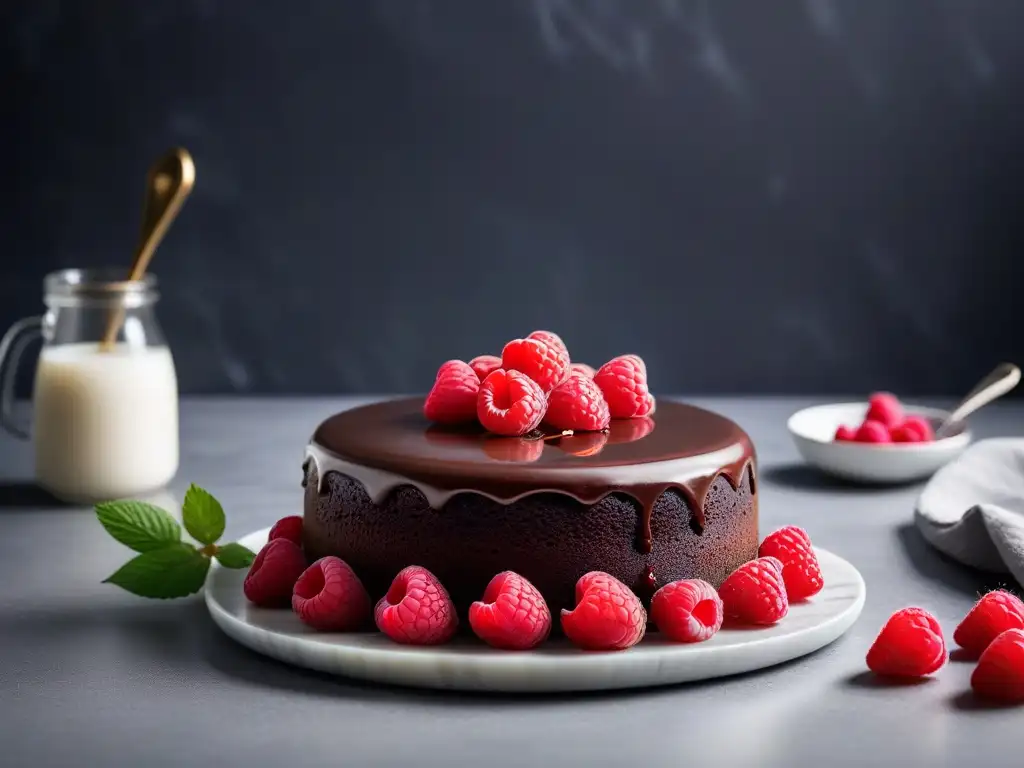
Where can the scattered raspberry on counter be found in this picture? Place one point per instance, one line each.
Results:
(992, 615)
(909, 645)
(1000, 672)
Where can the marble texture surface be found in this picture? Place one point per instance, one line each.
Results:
(468, 665)
(90, 675)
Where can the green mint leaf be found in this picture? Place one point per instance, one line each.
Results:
(176, 570)
(143, 527)
(234, 555)
(203, 515)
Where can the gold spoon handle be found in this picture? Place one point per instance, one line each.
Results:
(168, 184)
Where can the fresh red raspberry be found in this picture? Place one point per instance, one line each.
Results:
(584, 443)
(453, 397)
(484, 364)
(630, 430)
(801, 572)
(607, 616)
(515, 449)
(903, 433)
(417, 609)
(623, 380)
(553, 340)
(909, 645)
(1000, 671)
(583, 368)
(512, 615)
(993, 614)
(273, 574)
(287, 528)
(885, 408)
(546, 365)
(755, 593)
(330, 597)
(873, 432)
(687, 611)
(577, 404)
(845, 434)
(921, 426)
(510, 403)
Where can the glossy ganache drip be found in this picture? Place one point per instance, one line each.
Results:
(681, 447)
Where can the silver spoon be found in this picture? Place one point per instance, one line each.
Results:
(1003, 378)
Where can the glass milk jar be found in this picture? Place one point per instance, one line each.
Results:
(104, 415)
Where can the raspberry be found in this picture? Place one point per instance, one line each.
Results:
(584, 443)
(577, 404)
(513, 449)
(607, 616)
(287, 528)
(583, 368)
(273, 574)
(330, 597)
(687, 611)
(754, 593)
(631, 430)
(512, 615)
(885, 408)
(904, 433)
(416, 610)
(921, 426)
(510, 403)
(801, 573)
(553, 340)
(845, 434)
(909, 645)
(452, 400)
(484, 364)
(623, 380)
(872, 432)
(993, 614)
(545, 364)
(1000, 671)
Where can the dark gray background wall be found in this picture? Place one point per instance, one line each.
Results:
(816, 196)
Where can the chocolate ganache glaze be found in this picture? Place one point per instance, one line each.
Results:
(372, 474)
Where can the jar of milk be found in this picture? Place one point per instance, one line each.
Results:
(104, 415)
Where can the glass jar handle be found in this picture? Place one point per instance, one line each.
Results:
(12, 346)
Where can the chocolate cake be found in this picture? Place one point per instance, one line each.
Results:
(650, 500)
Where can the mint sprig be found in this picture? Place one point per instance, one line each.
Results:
(167, 567)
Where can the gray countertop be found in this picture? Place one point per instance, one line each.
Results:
(90, 675)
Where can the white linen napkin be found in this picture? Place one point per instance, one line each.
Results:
(973, 508)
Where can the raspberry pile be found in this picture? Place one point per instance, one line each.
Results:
(534, 382)
(513, 615)
(885, 422)
(912, 645)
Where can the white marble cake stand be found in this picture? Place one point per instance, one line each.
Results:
(556, 666)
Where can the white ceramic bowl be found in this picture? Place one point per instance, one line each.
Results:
(813, 430)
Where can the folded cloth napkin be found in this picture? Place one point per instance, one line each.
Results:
(973, 508)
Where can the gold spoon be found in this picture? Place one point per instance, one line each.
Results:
(168, 184)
